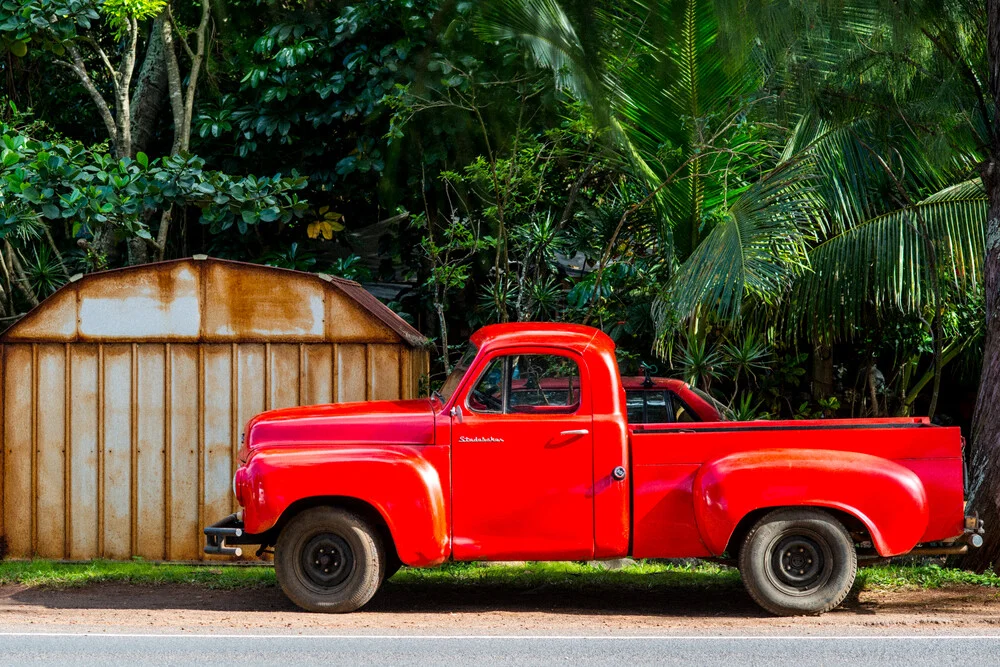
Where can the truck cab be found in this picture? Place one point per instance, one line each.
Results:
(535, 448)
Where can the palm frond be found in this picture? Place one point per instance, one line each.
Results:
(547, 32)
(853, 182)
(757, 249)
(658, 80)
(880, 263)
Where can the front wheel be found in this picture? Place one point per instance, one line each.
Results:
(798, 562)
(329, 560)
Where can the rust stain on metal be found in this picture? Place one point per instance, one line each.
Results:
(168, 436)
(49, 513)
(134, 454)
(100, 451)
(151, 416)
(67, 451)
(267, 376)
(18, 443)
(259, 306)
(352, 369)
(283, 376)
(335, 375)
(164, 301)
(185, 446)
(234, 414)
(124, 395)
(303, 374)
(317, 374)
(201, 442)
(83, 446)
(118, 447)
(34, 448)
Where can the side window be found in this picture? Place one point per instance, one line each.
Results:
(487, 395)
(682, 413)
(657, 408)
(634, 407)
(528, 384)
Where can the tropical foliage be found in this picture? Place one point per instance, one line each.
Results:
(779, 202)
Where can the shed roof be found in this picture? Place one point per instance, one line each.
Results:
(201, 299)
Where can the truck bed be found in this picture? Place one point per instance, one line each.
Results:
(667, 457)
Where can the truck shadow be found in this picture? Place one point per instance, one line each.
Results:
(410, 596)
(560, 598)
(688, 594)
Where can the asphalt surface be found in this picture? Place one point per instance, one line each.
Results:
(229, 649)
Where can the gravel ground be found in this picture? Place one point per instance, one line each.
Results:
(425, 609)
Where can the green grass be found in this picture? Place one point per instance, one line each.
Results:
(575, 576)
(882, 577)
(54, 574)
(642, 576)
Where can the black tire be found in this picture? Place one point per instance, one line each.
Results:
(329, 560)
(797, 562)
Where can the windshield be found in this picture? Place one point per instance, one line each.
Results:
(457, 373)
(725, 413)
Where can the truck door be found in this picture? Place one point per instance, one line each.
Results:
(522, 460)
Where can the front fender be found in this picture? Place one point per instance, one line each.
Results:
(400, 483)
(888, 498)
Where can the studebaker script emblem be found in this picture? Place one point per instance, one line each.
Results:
(478, 438)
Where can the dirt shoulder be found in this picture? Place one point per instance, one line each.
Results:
(442, 609)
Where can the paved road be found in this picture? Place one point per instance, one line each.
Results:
(187, 649)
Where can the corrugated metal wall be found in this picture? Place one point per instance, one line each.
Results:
(120, 449)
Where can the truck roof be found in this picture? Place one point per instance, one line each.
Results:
(631, 382)
(572, 336)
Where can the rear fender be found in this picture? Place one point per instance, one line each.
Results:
(887, 498)
(400, 484)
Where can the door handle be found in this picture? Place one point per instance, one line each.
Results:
(579, 431)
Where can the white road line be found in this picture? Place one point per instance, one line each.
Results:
(510, 637)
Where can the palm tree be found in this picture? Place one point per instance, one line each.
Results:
(892, 102)
(933, 68)
(736, 217)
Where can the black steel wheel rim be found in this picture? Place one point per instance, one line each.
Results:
(800, 563)
(327, 560)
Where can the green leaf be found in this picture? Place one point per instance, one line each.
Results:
(758, 248)
(881, 262)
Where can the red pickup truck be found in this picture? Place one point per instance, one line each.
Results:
(535, 449)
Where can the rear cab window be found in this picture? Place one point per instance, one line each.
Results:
(655, 405)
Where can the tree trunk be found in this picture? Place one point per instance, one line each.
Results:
(443, 324)
(822, 375)
(984, 457)
(150, 90)
(872, 389)
(172, 73)
(20, 277)
(138, 251)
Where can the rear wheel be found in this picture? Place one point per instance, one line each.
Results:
(798, 562)
(329, 560)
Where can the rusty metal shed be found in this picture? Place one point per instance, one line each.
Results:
(125, 392)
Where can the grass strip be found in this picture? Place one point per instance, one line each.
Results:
(642, 576)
